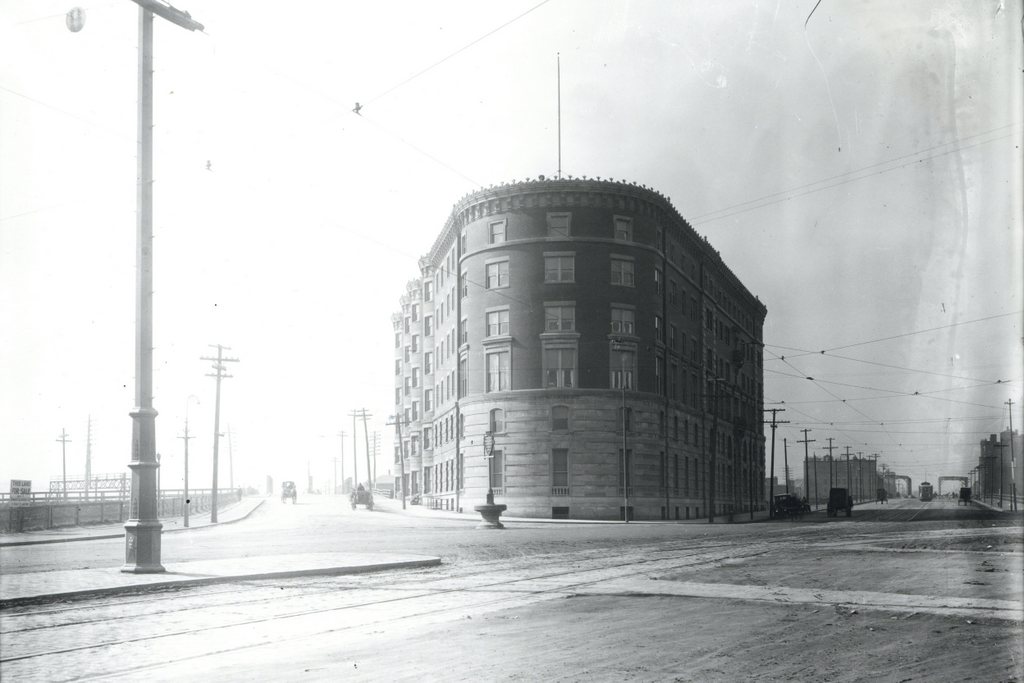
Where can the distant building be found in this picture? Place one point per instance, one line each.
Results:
(999, 466)
(599, 340)
(857, 474)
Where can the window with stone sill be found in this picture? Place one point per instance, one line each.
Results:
(496, 232)
(558, 318)
(622, 273)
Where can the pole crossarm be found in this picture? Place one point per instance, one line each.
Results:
(171, 14)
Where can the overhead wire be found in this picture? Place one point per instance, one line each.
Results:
(854, 408)
(893, 441)
(893, 392)
(453, 54)
(804, 352)
(707, 217)
(848, 180)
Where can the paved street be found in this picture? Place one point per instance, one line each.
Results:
(903, 591)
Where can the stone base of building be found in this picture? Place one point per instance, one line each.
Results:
(596, 509)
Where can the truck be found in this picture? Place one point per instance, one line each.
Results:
(839, 499)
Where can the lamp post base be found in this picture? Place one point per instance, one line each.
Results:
(491, 514)
(142, 552)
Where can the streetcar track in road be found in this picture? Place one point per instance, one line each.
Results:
(263, 585)
(689, 557)
(569, 589)
(420, 594)
(169, 593)
(256, 585)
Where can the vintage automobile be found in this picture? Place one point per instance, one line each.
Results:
(361, 497)
(839, 499)
(788, 505)
(288, 491)
(882, 495)
(965, 496)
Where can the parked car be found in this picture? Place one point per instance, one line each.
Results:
(882, 495)
(288, 490)
(839, 499)
(965, 496)
(788, 505)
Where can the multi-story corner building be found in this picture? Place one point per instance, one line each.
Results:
(608, 354)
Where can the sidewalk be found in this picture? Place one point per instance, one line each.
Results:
(35, 587)
(232, 513)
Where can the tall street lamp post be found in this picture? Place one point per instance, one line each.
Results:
(489, 456)
(143, 528)
(490, 512)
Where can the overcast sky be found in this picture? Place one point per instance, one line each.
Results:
(858, 166)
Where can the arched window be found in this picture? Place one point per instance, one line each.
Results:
(497, 422)
(560, 418)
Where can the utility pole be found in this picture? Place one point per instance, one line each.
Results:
(771, 476)
(376, 452)
(231, 462)
(1001, 447)
(396, 420)
(807, 479)
(874, 473)
(64, 440)
(849, 482)
(219, 374)
(88, 456)
(186, 438)
(785, 461)
(830, 449)
(1013, 472)
(366, 438)
(143, 528)
(817, 500)
(341, 434)
(859, 461)
(355, 454)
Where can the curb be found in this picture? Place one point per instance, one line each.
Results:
(988, 506)
(430, 513)
(210, 580)
(100, 537)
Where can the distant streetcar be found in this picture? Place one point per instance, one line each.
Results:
(926, 491)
